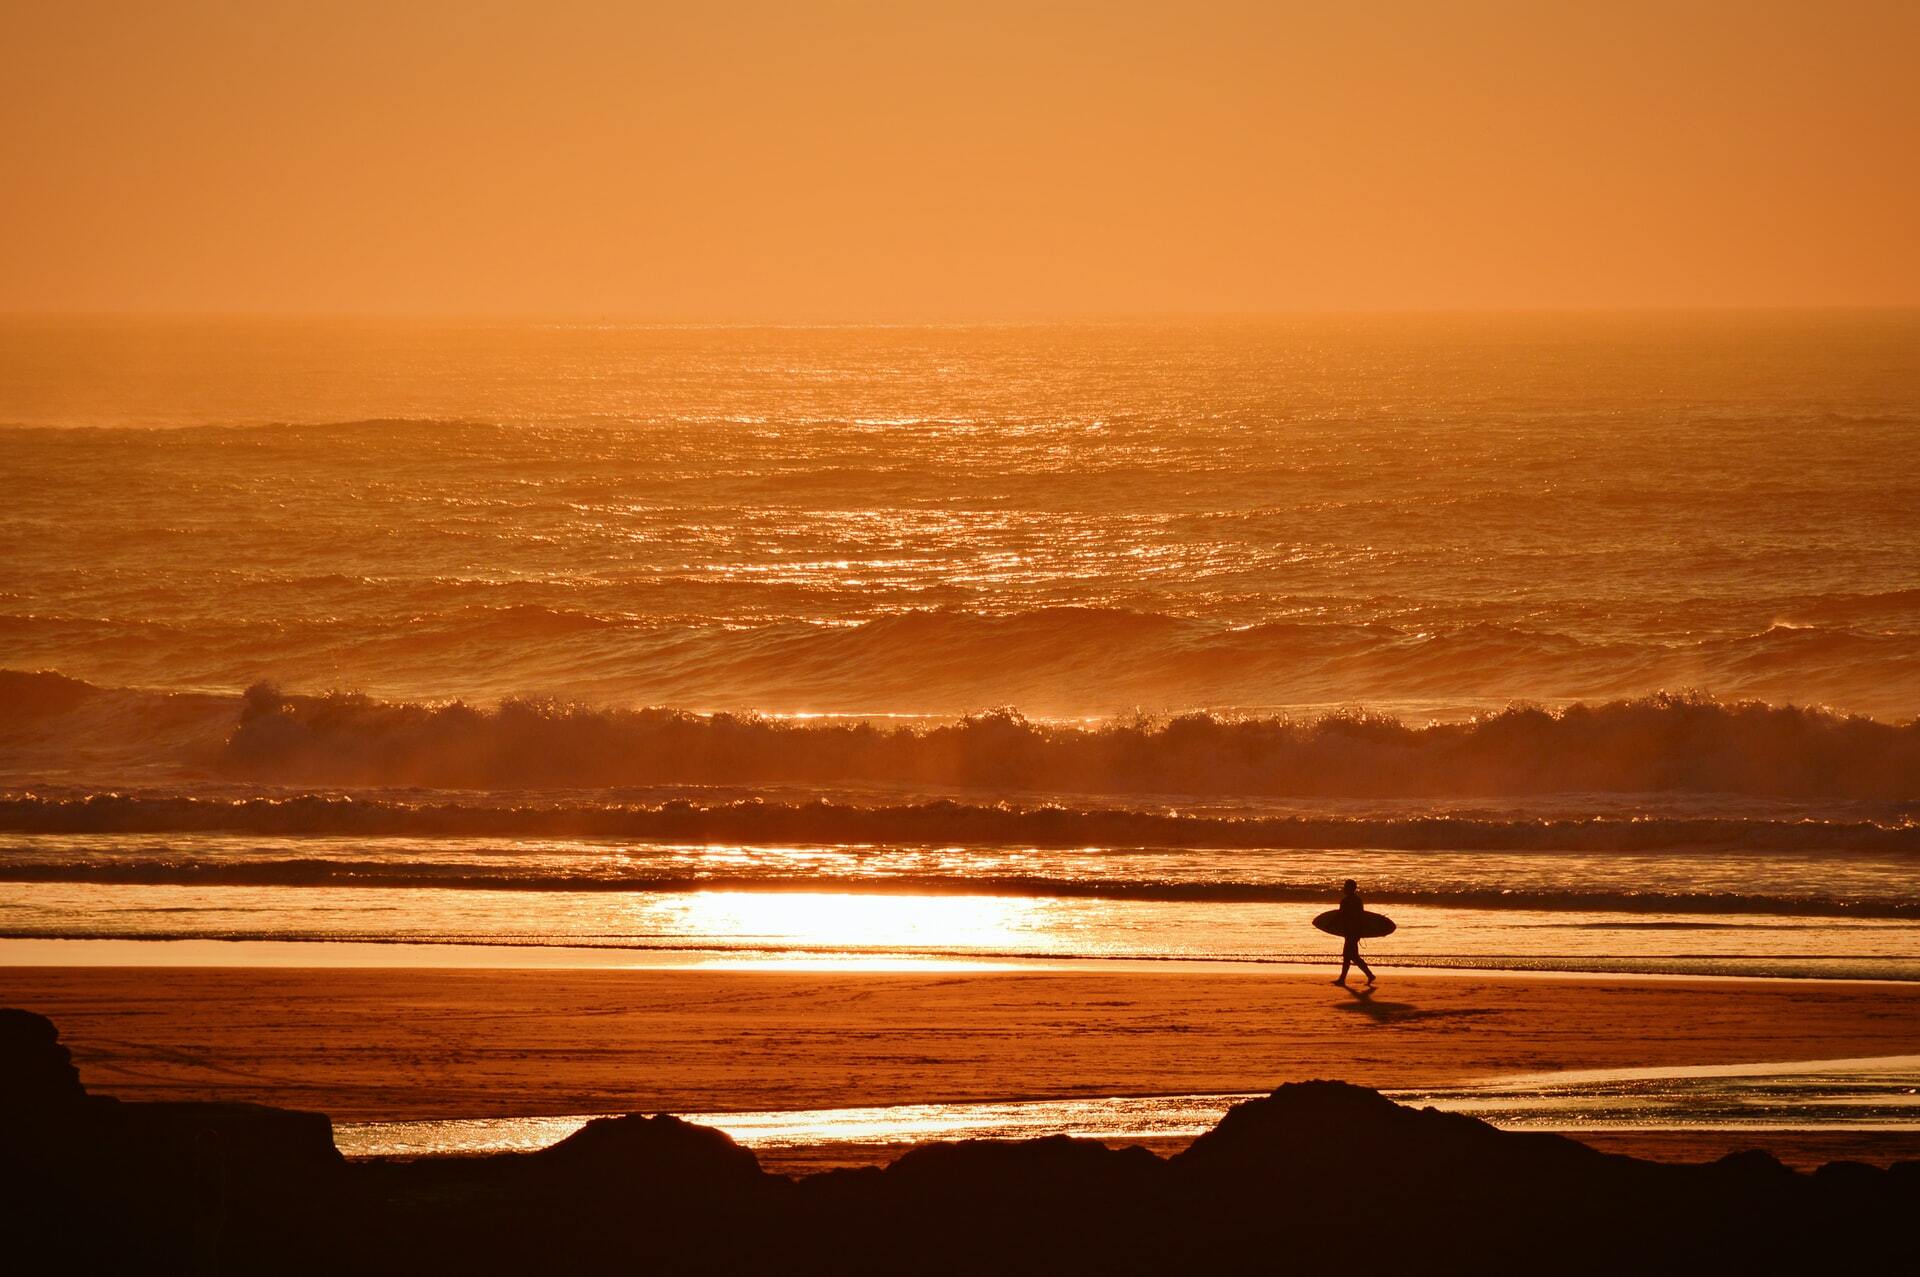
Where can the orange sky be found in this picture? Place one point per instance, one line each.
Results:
(924, 159)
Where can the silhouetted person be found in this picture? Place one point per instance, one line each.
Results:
(1350, 911)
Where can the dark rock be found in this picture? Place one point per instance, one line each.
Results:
(1315, 1133)
(655, 1152)
(1022, 1166)
(1315, 1175)
(1850, 1177)
(1031, 1206)
(1754, 1164)
(36, 1072)
(246, 1139)
(103, 1185)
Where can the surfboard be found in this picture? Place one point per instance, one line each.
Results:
(1372, 925)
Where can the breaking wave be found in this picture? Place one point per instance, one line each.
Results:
(1661, 744)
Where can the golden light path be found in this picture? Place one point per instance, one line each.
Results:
(787, 927)
(808, 920)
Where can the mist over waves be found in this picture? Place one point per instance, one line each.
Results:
(1660, 744)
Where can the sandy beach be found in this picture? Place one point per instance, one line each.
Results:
(373, 1045)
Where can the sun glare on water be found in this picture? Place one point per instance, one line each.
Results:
(863, 930)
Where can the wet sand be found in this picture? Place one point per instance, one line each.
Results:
(372, 1045)
(1802, 1150)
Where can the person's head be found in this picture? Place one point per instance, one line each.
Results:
(1352, 886)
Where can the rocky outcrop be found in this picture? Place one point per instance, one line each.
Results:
(1315, 1175)
(90, 1183)
(657, 1153)
(36, 1073)
(1324, 1171)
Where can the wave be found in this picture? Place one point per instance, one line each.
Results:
(1660, 744)
(649, 648)
(931, 824)
(478, 876)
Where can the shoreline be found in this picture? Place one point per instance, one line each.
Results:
(1798, 1149)
(1805, 1111)
(45, 952)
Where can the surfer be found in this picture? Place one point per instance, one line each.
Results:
(1350, 911)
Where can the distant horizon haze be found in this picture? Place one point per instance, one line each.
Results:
(1059, 319)
(940, 162)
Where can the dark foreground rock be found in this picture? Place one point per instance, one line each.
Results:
(89, 1184)
(1316, 1175)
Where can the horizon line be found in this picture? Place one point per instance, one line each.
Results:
(1062, 319)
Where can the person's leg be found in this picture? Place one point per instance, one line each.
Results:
(1349, 954)
(1361, 962)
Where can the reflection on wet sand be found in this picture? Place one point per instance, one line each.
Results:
(1874, 1094)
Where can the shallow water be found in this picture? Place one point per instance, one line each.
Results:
(1777, 913)
(852, 930)
(1876, 1094)
(1705, 881)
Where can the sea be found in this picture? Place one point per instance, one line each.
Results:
(1585, 642)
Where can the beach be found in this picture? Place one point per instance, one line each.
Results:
(850, 738)
(797, 641)
(407, 1044)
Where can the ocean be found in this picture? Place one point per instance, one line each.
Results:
(1586, 642)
